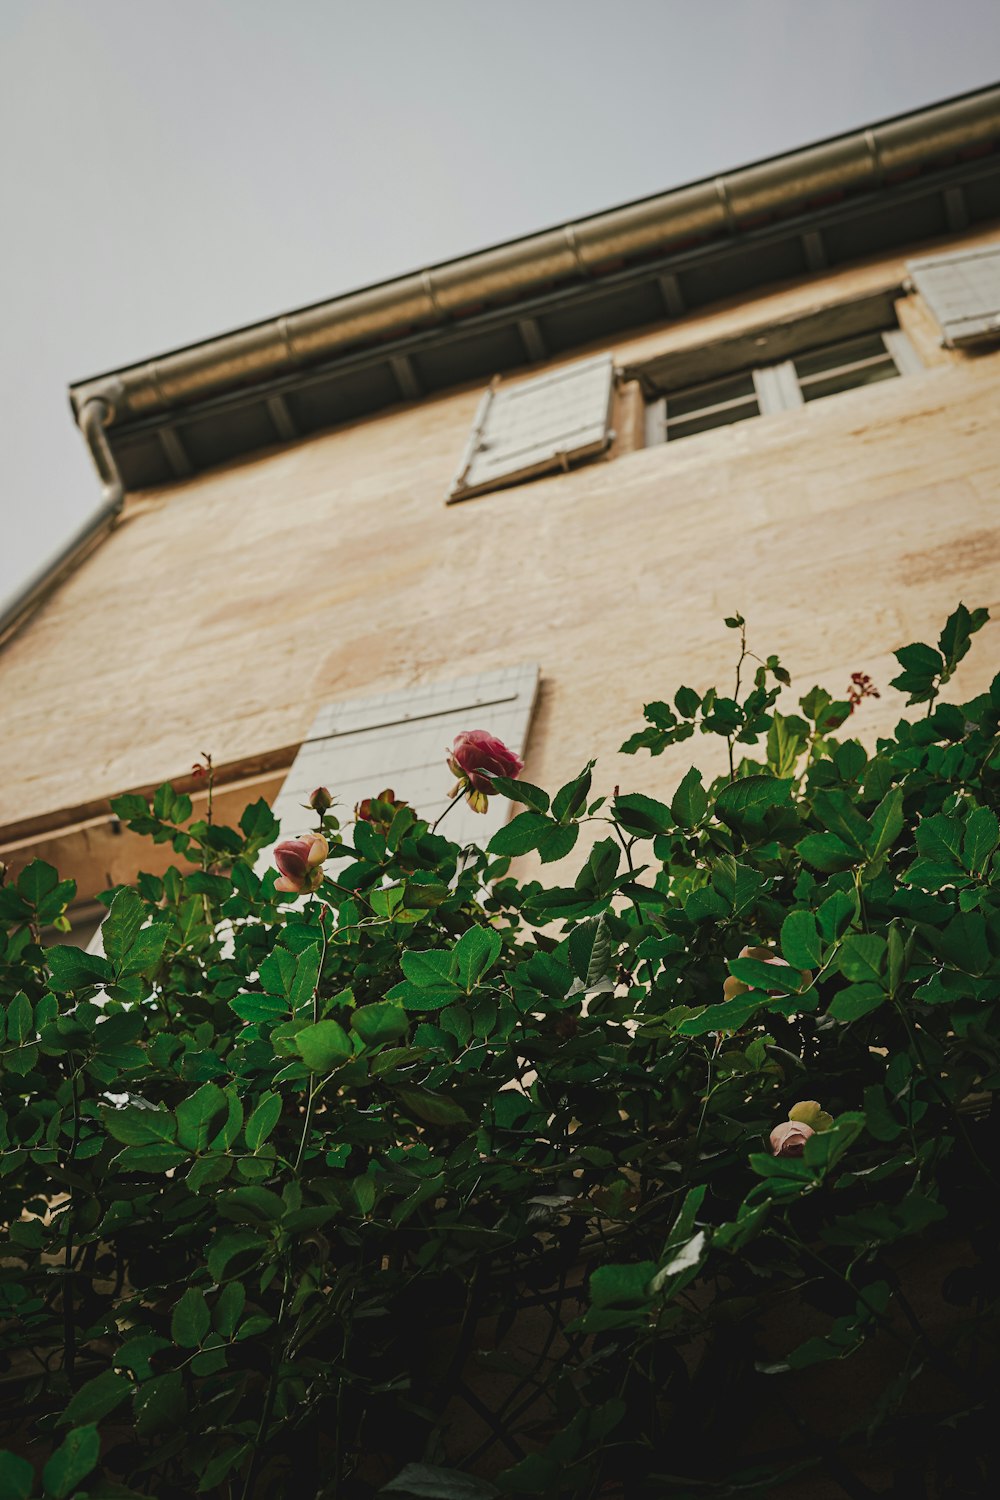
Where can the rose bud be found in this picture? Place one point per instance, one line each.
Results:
(320, 800)
(298, 861)
(789, 1139)
(768, 956)
(380, 810)
(474, 753)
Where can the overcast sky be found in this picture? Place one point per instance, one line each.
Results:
(174, 168)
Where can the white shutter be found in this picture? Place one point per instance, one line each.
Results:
(400, 740)
(537, 425)
(963, 293)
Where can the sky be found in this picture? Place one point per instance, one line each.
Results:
(171, 169)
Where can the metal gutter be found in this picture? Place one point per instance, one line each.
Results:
(703, 212)
(94, 416)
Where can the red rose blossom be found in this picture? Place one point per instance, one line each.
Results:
(475, 752)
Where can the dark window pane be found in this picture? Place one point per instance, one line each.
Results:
(705, 421)
(846, 380)
(832, 356)
(715, 393)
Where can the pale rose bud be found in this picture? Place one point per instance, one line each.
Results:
(789, 1138)
(320, 800)
(810, 1112)
(733, 987)
(476, 751)
(298, 862)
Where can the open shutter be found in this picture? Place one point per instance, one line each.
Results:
(536, 426)
(963, 293)
(400, 740)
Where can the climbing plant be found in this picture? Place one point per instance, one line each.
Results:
(415, 1177)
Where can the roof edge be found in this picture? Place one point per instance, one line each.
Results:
(874, 157)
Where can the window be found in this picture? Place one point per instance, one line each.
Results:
(536, 426)
(400, 740)
(817, 372)
(963, 293)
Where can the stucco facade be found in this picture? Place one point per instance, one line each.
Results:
(224, 610)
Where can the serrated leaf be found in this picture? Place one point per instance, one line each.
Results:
(72, 969)
(97, 1398)
(856, 1001)
(522, 791)
(196, 1113)
(827, 853)
(982, 834)
(433, 1108)
(641, 816)
(746, 799)
(427, 1482)
(862, 957)
(475, 953)
(262, 1121)
(380, 1021)
(801, 944)
(323, 1045)
(571, 799)
(72, 1461)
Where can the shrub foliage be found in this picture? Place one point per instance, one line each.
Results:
(439, 1182)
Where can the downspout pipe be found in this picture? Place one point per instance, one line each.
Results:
(93, 418)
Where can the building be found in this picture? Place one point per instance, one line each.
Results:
(520, 490)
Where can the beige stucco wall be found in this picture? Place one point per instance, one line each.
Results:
(223, 611)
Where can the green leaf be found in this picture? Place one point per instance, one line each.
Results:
(226, 1247)
(521, 835)
(982, 834)
(191, 1319)
(153, 1158)
(435, 1109)
(641, 816)
(20, 1018)
(323, 1045)
(432, 970)
(690, 801)
(146, 950)
(71, 1462)
(826, 852)
(922, 665)
(17, 1477)
(262, 1121)
(427, 1482)
(97, 1398)
(139, 1127)
(121, 925)
(836, 914)
(801, 944)
(856, 1001)
(522, 791)
(862, 957)
(196, 1113)
(229, 1307)
(380, 1021)
(72, 969)
(728, 1015)
(475, 953)
(956, 637)
(886, 823)
(621, 1286)
(687, 702)
(36, 881)
(258, 824)
(571, 799)
(939, 839)
(749, 797)
(766, 976)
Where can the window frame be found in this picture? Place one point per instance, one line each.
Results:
(778, 386)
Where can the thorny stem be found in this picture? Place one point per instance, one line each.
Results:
(744, 653)
(69, 1320)
(314, 1087)
(457, 798)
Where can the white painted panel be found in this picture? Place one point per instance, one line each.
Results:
(963, 293)
(534, 426)
(401, 740)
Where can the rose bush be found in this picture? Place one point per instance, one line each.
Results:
(445, 1183)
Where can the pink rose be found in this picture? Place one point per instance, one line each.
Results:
(298, 861)
(789, 1139)
(476, 751)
